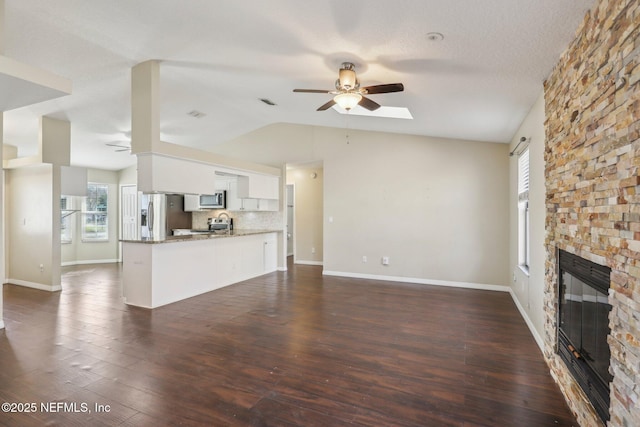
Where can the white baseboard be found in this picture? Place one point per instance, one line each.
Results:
(1, 324)
(303, 262)
(525, 316)
(90, 261)
(35, 285)
(467, 285)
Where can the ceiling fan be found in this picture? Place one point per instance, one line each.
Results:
(348, 92)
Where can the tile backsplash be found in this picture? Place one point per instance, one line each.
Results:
(241, 220)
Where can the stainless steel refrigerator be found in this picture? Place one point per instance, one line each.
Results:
(160, 214)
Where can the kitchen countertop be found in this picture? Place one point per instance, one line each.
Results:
(202, 236)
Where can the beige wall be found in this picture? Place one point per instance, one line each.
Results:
(439, 208)
(128, 176)
(31, 227)
(529, 288)
(308, 213)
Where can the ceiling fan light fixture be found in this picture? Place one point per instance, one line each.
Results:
(347, 100)
(347, 79)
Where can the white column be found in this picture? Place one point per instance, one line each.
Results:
(2, 241)
(55, 141)
(1, 27)
(145, 107)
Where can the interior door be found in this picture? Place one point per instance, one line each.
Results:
(129, 212)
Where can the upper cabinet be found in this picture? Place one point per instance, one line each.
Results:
(164, 174)
(238, 187)
(246, 191)
(255, 186)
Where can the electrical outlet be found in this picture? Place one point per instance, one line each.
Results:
(385, 260)
(313, 250)
(41, 267)
(364, 258)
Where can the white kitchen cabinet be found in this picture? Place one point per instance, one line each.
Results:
(255, 186)
(268, 205)
(270, 252)
(164, 174)
(235, 203)
(253, 256)
(250, 204)
(221, 184)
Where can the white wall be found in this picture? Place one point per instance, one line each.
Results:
(308, 233)
(529, 289)
(439, 208)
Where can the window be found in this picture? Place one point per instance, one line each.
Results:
(95, 225)
(66, 223)
(523, 210)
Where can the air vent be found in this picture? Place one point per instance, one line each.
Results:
(196, 114)
(267, 101)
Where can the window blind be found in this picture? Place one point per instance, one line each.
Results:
(523, 175)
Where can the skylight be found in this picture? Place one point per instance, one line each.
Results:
(388, 112)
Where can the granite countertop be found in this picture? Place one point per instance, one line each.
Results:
(203, 236)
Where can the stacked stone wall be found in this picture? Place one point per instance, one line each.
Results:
(592, 159)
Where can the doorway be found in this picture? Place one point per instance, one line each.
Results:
(290, 219)
(304, 206)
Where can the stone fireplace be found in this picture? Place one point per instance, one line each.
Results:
(592, 160)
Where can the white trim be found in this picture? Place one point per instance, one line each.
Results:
(281, 269)
(525, 316)
(141, 306)
(34, 285)
(308, 262)
(89, 261)
(468, 285)
(1, 324)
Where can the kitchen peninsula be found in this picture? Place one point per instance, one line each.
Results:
(159, 272)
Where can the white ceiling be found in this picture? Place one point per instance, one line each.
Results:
(220, 57)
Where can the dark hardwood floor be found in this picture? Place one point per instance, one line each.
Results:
(284, 349)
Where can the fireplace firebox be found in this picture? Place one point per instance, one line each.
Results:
(583, 326)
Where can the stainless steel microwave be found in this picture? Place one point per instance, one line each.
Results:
(196, 202)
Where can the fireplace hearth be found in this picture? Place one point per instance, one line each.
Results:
(583, 326)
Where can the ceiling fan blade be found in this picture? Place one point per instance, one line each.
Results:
(368, 104)
(312, 91)
(327, 105)
(388, 88)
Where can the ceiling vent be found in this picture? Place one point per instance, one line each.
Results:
(196, 114)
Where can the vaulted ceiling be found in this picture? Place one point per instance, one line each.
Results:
(219, 59)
